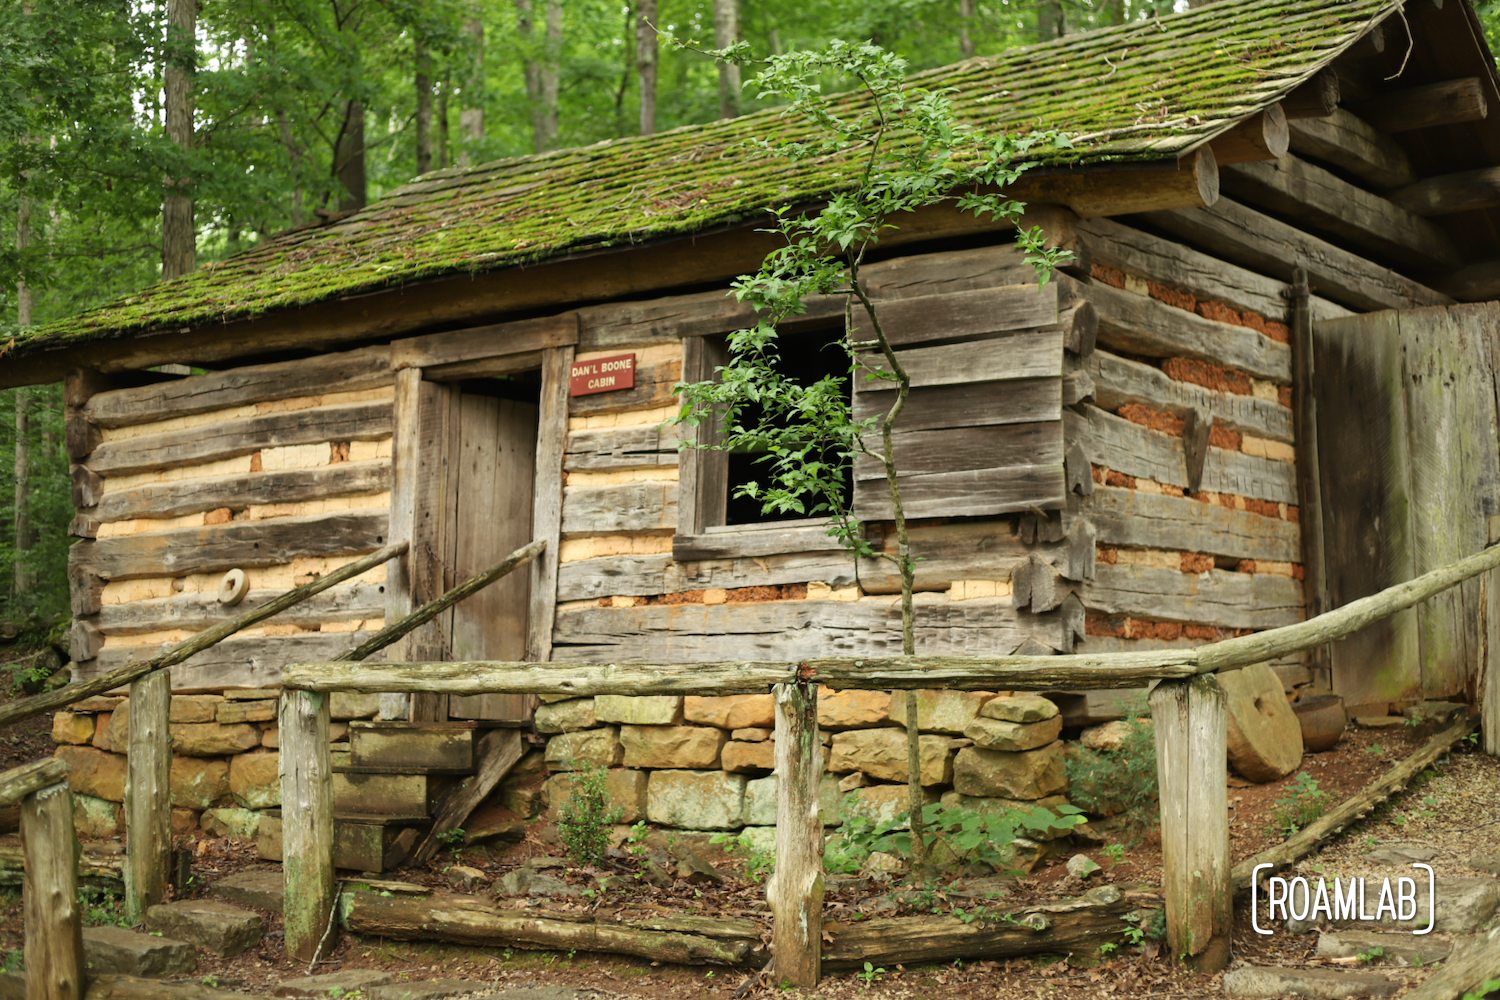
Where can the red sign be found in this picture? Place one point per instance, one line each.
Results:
(603, 374)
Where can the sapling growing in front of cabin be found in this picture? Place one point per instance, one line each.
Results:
(902, 148)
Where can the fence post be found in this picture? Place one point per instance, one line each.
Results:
(1191, 752)
(307, 836)
(1489, 589)
(795, 892)
(54, 930)
(148, 796)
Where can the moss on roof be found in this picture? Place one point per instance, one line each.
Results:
(1144, 91)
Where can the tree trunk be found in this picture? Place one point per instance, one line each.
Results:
(1116, 11)
(349, 158)
(550, 78)
(471, 117)
(1051, 22)
(726, 33)
(179, 241)
(965, 23)
(646, 60)
(444, 158)
(424, 109)
(23, 578)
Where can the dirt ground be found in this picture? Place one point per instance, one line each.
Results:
(1455, 808)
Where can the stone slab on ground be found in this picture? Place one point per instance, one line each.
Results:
(544, 993)
(424, 991)
(1259, 981)
(136, 988)
(1463, 906)
(346, 981)
(118, 951)
(221, 928)
(1396, 944)
(264, 890)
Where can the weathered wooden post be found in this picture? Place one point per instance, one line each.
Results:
(54, 930)
(148, 797)
(795, 892)
(1192, 735)
(307, 835)
(1489, 588)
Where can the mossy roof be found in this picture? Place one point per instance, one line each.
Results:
(1144, 91)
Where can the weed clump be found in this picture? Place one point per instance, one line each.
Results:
(1119, 782)
(1303, 803)
(585, 818)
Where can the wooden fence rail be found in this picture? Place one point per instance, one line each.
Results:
(1191, 736)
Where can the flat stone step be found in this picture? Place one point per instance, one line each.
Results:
(1463, 905)
(1330, 984)
(1393, 945)
(344, 983)
(118, 951)
(135, 988)
(223, 929)
(426, 991)
(263, 890)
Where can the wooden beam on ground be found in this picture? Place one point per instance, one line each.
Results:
(1191, 739)
(1320, 200)
(1448, 103)
(1301, 844)
(498, 752)
(1317, 98)
(307, 843)
(1461, 192)
(1253, 239)
(52, 919)
(1350, 143)
(1473, 962)
(795, 892)
(1262, 136)
(148, 795)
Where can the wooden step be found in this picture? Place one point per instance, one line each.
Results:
(382, 793)
(413, 744)
(375, 843)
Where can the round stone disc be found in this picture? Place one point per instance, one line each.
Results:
(1265, 738)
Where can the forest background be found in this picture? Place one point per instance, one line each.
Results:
(141, 139)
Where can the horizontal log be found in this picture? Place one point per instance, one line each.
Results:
(471, 920)
(1137, 519)
(965, 449)
(244, 436)
(272, 542)
(1317, 98)
(1024, 355)
(1477, 282)
(1147, 326)
(19, 782)
(1119, 444)
(736, 541)
(650, 505)
(988, 549)
(242, 661)
(622, 447)
(636, 576)
(1078, 927)
(1262, 136)
(1191, 181)
(969, 404)
(1216, 597)
(962, 315)
(352, 601)
(96, 867)
(347, 371)
(1467, 191)
(193, 496)
(1448, 103)
(1320, 200)
(1119, 382)
(969, 493)
(1346, 141)
(496, 339)
(504, 364)
(1257, 241)
(654, 387)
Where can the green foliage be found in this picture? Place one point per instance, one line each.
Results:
(956, 834)
(15, 960)
(585, 819)
(1123, 781)
(101, 907)
(1115, 853)
(1486, 989)
(49, 503)
(1303, 803)
(758, 863)
(871, 974)
(1373, 955)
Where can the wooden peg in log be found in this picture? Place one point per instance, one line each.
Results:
(1448, 103)
(1080, 329)
(1079, 471)
(1263, 136)
(1317, 98)
(1195, 433)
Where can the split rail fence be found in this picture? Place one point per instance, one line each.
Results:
(1188, 707)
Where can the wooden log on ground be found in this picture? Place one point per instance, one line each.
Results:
(1142, 325)
(37, 704)
(1059, 928)
(1255, 240)
(795, 891)
(1334, 820)
(53, 923)
(1466, 191)
(1190, 741)
(148, 795)
(1472, 962)
(498, 752)
(347, 371)
(1320, 200)
(1317, 98)
(307, 844)
(1262, 136)
(471, 920)
(1448, 103)
(1346, 141)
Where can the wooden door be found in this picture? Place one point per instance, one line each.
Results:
(491, 461)
(1409, 468)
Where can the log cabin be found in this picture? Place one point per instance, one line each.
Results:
(1263, 387)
